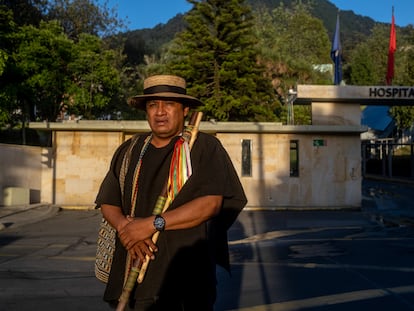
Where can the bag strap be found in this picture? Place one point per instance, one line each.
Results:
(125, 163)
(124, 169)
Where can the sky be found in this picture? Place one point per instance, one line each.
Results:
(147, 14)
(380, 10)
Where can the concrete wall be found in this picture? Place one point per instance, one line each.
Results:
(329, 173)
(21, 167)
(82, 160)
(70, 174)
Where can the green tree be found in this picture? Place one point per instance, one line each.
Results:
(84, 16)
(41, 61)
(217, 56)
(26, 12)
(3, 60)
(294, 47)
(95, 78)
(7, 27)
(403, 117)
(404, 57)
(368, 61)
(404, 75)
(42, 71)
(363, 66)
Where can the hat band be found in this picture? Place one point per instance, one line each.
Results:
(164, 89)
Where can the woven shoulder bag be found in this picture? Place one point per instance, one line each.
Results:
(107, 234)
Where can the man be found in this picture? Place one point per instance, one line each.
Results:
(192, 240)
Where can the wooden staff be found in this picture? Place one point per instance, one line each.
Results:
(137, 273)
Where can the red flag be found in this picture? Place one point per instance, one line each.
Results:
(391, 50)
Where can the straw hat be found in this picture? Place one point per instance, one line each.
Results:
(164, 87)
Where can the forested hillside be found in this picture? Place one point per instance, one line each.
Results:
(354, 28)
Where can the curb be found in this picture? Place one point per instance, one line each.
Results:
(78, 207)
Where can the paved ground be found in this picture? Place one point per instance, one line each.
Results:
(313, 260)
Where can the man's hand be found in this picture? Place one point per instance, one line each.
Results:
(136, 238)
(141, 249)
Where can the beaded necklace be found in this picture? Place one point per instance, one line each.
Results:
(136, 174)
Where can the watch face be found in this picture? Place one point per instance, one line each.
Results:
(159, 223)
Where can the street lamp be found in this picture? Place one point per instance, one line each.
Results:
(292, 94)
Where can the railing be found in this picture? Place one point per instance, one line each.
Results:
(384, 158)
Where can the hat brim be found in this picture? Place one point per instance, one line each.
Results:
(139, 101)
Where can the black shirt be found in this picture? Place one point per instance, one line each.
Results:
(185, 262)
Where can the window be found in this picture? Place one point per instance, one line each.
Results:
(246, 169)
(294, 158)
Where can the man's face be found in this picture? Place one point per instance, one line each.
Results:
(166, 118)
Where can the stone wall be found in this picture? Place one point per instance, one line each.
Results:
(71, 172)
(82, 159)
(329, 172)
(21, 167)
(329, 175)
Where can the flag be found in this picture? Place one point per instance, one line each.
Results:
(336, 54)
(391, 50)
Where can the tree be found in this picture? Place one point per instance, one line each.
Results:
(41, 61)
(7, 27)
(84, 16)
(26, 12)
(95, 79)
(404, 75)
(363, 66)
(404, 58)
(293, 46)
(403, 117)
(217, 56)
(46, 73)
(368, 61)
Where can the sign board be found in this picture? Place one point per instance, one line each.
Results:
(364, 95)
(319, 143)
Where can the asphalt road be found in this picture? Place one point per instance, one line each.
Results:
(309, 260)
(321, 261)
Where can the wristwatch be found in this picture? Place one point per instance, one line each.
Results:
(159, 223)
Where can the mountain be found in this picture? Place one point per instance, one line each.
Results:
(149, 41)
(354, 28)
(326, 11)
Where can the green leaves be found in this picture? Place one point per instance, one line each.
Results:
(218, 57)
(45, 75)
(291, 45)
(41, 58)
(95, 78)
(55, 74)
